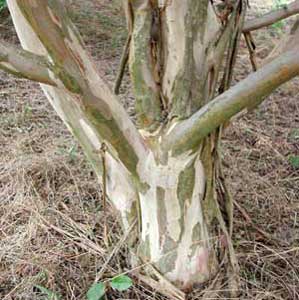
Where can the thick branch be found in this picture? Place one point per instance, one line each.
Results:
(76, 71)
(77, 116)
(188, 31)
(25, 64)
(143, 64)
(272, 17)
(248, 93)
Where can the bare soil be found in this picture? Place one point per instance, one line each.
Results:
(51, 217)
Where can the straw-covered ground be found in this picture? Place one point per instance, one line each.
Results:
(51, 218)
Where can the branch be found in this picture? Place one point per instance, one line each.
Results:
(123, 63)
(144, 64)
(189, 30)
(240, 12)
(272, 17)
(251, 49)
(25, 64)
(289, 41)
(248, 93)
(73, 66)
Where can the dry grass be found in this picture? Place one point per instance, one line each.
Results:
(50, 204)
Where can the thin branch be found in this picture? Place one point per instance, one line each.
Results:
(249, 220)
(216, 51)
(251, 49)
(25, 64)
(233, 46)
(248, 93)
(123, 64)
(272, 17)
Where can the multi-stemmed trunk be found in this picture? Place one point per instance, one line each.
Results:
(167, 173)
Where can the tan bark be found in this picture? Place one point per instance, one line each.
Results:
(81, 112)
(188, 134)
(169, 171)
(287, 10)
(289, 41)
(25, 64)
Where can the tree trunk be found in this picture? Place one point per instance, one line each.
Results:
(175, 236)
(167, 174)
(184, 232)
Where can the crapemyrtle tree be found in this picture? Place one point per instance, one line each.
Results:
(163, 175)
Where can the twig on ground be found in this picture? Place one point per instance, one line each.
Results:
(259, 230)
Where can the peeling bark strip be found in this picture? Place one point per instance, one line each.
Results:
(171, 178)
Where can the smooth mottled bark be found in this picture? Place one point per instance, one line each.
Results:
(82, 99)
(167, 173)
(25, 64)
(248, 93)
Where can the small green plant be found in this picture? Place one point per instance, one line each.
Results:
(49, 295)
(294, 161)
(27, 111)
(278, 4)
(72, 152)
(96, 291)
(119, 283)
(278, 25)
(294, 135)
(2, 4)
